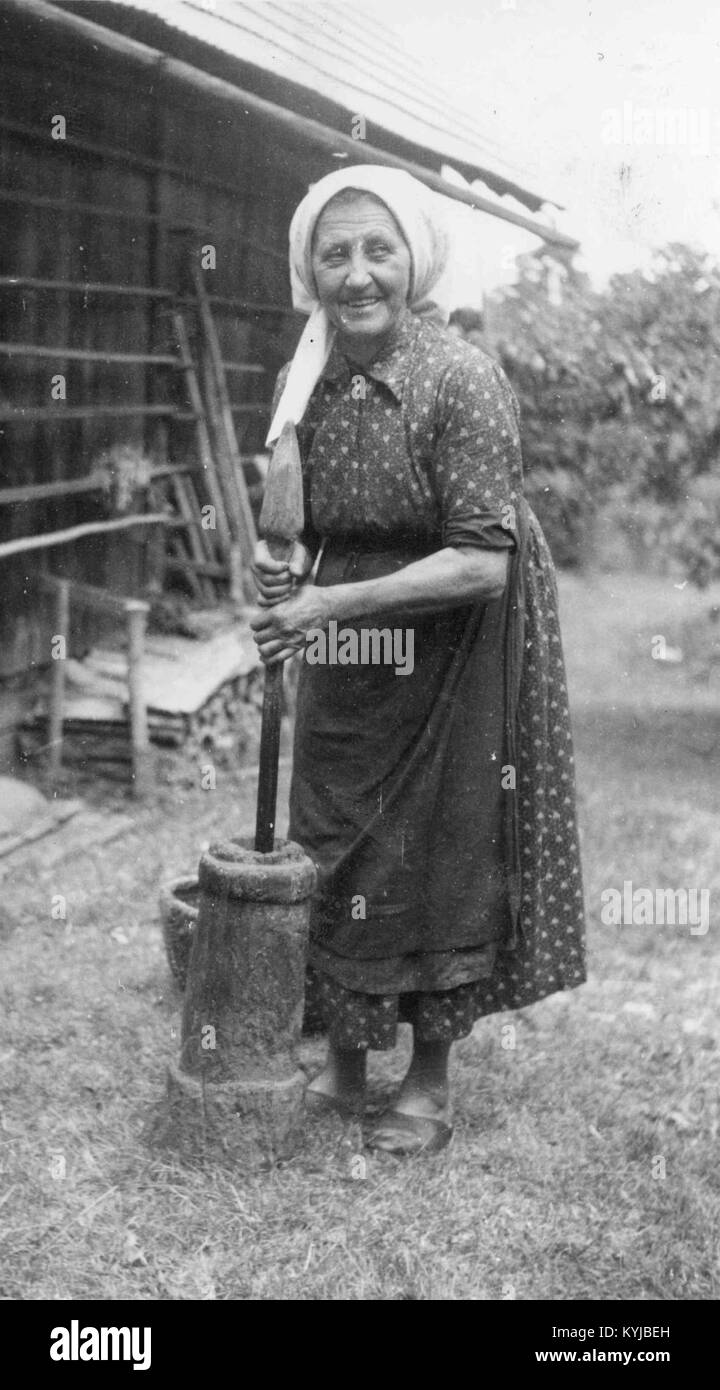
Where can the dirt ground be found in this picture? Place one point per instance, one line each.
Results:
(584, 1159)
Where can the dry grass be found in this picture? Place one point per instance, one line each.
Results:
(549, 1188)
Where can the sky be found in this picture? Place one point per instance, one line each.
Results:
(611, 108)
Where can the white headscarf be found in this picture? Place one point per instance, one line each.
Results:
(420, 215)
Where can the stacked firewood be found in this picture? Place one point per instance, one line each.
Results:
(203, 699)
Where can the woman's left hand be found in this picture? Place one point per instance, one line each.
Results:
(282, 630)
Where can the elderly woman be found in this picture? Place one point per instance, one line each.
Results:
(436, 796)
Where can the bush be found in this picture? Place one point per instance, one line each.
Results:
(620, 395)
(696, 536)
(565, 512)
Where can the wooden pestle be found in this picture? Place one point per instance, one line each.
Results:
(281, 524)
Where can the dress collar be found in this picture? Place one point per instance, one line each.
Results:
(391, 364)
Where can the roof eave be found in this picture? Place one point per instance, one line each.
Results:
(91, 35)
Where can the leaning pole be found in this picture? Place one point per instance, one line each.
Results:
(236, 1087)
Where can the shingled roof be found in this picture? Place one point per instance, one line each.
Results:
(331, 53)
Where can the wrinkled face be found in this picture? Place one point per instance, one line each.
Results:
(362, 268)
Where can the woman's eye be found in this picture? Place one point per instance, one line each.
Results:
(378, 250)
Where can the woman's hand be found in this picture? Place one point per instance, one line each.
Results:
(281, 628)
(276, 580)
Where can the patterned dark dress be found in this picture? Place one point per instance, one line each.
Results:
(439, 806)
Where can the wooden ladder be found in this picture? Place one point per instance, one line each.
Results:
(218, 415)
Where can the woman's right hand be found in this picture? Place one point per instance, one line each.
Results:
(276, 580)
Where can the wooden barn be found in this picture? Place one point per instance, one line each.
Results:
(151, 156)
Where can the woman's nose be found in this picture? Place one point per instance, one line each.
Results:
(358, 272)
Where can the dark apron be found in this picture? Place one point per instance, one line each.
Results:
(403, 786)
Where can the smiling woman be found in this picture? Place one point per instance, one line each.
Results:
(362, 270)
(439, 809)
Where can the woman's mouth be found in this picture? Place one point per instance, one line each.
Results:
(356, 306)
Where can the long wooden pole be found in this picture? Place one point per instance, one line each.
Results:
(73, 533)
(270, 738)
(235, 484)
(281, 523)
(92, 482)
(100, 287)
(81, 355)
(206, 458)
(136, 616)
(22, 415)
(57, 683)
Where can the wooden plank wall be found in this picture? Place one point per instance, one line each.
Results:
(230, 176)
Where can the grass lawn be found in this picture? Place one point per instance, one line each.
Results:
(584, 1159)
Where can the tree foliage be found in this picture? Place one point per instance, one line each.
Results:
(620, 397)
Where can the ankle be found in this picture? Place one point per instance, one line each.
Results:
(348, 1063)
(429, 1064)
